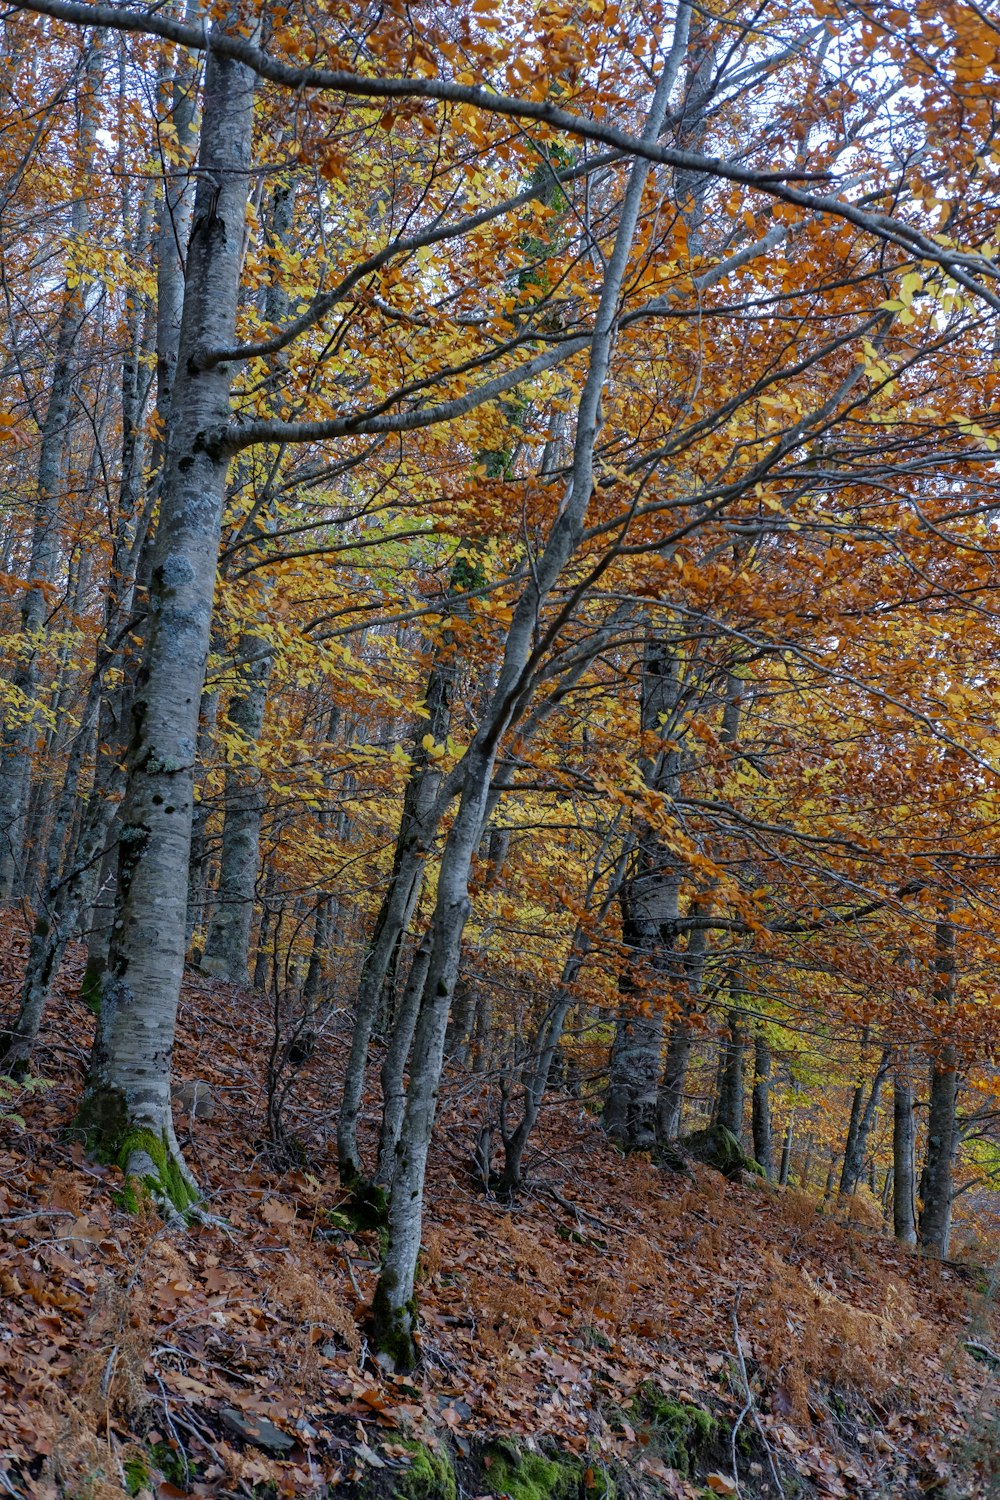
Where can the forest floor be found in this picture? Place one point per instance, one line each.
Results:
(622, 1329)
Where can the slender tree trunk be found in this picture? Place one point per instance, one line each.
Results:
(19, 725)
(937, 1183)
(761, 1105)
(126, 1106)
(670, 1102)
(730, 1112)
(650, 909)
(394, 1064)
(863, 1113)
(394, 1313)
(227, 944)
(904, 1193)
(786, 1153)
(421, 815)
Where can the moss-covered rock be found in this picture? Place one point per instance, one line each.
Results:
(717, 1147)
(678, 1432)
(429, 1477)
(520, 1475)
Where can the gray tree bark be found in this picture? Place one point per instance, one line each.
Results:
(761, 1105)
(937, 1181)
(126, 1105)
(18, 726)
(863, 1112)
(650, 909)
(904, 1193)
(394, 1312)
(227, 943)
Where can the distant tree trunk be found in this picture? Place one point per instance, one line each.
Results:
(761, 1105)
(731, 1104)
(806, 1165)
(904, 1213)
(18, 728)
(460, 1023)
(227, 943)
(649, 900)
(863, 1112)
(786, 1153)
(539, 1065)
(393, 1311)
(196, 910)
(670, 1100)
(419, 821)
(937, 1183)
(680, 1036)
(480, 1042)
(262, 954)
(126, 1106)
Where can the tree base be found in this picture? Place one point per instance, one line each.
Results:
(394, 1328)
(149, 1160)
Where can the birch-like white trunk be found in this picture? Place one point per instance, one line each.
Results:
(18, 730)
(126, 1106)
(394, 1312)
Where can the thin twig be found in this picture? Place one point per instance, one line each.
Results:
(350, 1275)
(750, 1407)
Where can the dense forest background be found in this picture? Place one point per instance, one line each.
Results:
(498, 577)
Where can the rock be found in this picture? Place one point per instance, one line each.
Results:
(213, 966)
(194, 1098)
(256, 1430)
(717, 1147)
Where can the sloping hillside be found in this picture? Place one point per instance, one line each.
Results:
(620, 1328)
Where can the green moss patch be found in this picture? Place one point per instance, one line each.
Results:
(429, 1477)
(103, 1122)
(717, 1147)
(520, 1475)
(683, 1435)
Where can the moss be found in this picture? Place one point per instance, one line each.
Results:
(717, 1147)
(678, 1432)
(173, 1464)
(90, 986)
(429, 1477)
(137, 1475)
(393, 1326)
(104, 1124)
(532, 1476)
(599, 1485)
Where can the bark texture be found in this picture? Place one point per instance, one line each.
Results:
(126, 1105)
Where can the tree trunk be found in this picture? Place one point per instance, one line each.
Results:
(394, 1065)
(730, 1112)
(650, 909)
(761, 1105)
(863, 1113)
(786, 1153)
(904, 1213)
(937, 1182)
(421, 815)
(227, 944)
(393, 1310)
(19, 724)
(126, 1106)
